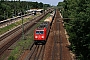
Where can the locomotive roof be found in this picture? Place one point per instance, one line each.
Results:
(39, 29)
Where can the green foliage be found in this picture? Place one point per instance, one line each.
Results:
(78, 28)
(5, 29)
(9, 9)
(11, 58)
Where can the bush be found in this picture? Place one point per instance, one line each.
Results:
(11, 58)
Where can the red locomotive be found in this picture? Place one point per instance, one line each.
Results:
(41, 33)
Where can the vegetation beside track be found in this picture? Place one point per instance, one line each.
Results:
(13, 25)
(20, 46)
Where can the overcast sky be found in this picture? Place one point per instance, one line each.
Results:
(51, 2)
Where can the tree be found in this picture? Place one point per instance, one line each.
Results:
(13, 7)
(78, 27)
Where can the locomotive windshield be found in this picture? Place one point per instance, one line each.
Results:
(39, 32)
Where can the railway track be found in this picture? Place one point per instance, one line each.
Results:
(17, 28)
(12, 36)
(57, 46)
(37, 52)
(9, 33)
(11, 20)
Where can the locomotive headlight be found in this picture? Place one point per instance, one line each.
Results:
(42, 36)
(36, 37)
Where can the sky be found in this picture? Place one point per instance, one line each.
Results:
(51, 2)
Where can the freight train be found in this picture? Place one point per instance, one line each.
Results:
(42, 31)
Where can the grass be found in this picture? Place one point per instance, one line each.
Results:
(24, 44)
(13, 25)
(5, 29)
(21, 45)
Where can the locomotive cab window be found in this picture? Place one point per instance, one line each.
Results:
(39, 32)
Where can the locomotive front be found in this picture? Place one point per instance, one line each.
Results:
(40, 36)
